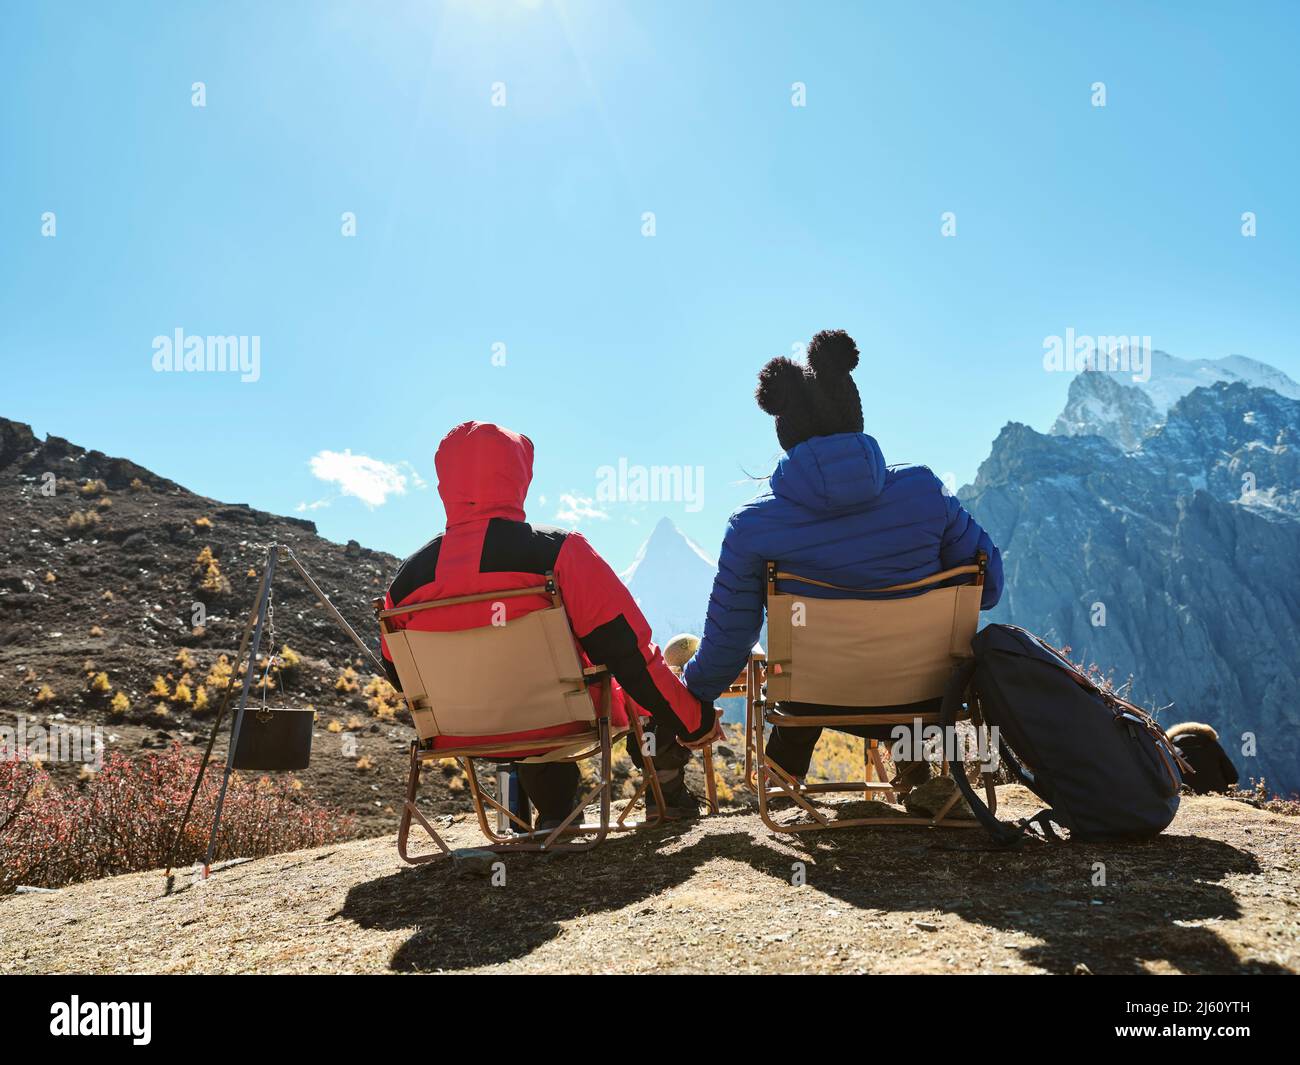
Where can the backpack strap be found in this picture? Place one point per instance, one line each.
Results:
(1002, 833)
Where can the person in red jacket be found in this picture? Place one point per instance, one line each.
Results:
(488, 545)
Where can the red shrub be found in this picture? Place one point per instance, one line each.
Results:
(124, 818)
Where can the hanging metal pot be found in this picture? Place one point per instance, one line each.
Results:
(275, 739)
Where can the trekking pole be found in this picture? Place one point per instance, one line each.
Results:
(265, 597)
(212, 739)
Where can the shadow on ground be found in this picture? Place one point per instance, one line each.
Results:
(1162, 896)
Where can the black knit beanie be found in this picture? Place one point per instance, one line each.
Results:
(819, 399)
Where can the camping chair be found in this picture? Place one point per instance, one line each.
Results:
(863, 652)
(505, 679)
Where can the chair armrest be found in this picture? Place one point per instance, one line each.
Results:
(602, 675)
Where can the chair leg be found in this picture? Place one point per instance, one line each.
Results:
(710, 779)
(603, 788)
(878, 762)
(481, 801)
(751, 676)
(649, 782)
(788, 785)
(409, 811)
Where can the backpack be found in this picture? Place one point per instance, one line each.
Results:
(1103, 766)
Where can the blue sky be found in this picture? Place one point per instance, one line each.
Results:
(479, 225)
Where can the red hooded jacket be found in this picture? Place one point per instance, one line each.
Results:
(483, 476)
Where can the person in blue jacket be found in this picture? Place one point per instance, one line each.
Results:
(834, 512)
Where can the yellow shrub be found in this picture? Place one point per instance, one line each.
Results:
(184, 659)
(82, 520)
(203, 523)
(95, 630)
(120, 704)
(382, 698)
(837, 756)
(182, 694)
(209, 573)
(289, 658)
(95, 487)
(219, 675)
(107, 597)
(333, 726)
(347, 681)
(100, 685)
(103, 503)
(160, 689)
(364, 762)
(138, 485)
(49, 577)
(45, 696)
(201, 700)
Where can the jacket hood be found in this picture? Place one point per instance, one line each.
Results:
(483, 472)
(831, 473)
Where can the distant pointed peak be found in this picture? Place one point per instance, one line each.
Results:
(665, 526)
(666, 541)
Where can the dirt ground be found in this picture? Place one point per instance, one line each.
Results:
(1215, 893)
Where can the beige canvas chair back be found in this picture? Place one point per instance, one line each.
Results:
(523, 675)
(869, 652)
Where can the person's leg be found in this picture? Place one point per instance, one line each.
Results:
(552, 787)
(792, 748)
(670, 768)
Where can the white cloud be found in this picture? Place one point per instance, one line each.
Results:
(367, 479)
(576, 508)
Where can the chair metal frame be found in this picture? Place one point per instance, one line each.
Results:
(762, 774)
(595, 742)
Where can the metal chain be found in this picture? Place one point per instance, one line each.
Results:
(271, 654)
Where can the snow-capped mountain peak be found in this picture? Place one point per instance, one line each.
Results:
(1124, 411)
(671, 578)
(1172, 378)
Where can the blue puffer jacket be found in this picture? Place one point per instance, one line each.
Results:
(834, 513)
